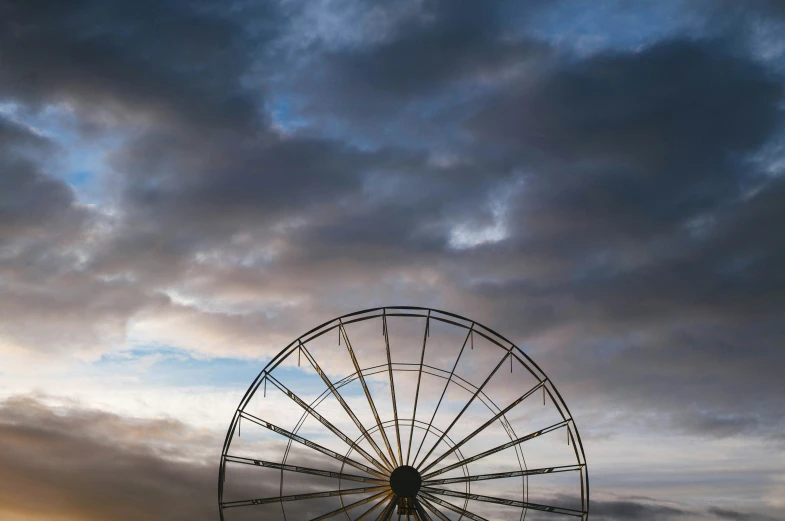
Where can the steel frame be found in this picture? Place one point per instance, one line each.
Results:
(379, 463)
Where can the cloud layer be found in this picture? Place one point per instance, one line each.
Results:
(222, 178)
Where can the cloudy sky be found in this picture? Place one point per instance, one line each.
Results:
(187, 186)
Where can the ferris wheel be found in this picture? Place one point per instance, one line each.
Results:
(402, 412)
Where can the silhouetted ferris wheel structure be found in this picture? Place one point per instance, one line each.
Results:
(402, 412)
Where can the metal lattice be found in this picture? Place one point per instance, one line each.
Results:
(417, 433)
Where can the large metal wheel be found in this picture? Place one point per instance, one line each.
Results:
(402, 412)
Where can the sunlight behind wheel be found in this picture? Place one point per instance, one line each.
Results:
(402, 412)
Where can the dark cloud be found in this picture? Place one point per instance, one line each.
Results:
(639, 141)
(634, 508)
(179, 61)
(653, 229)
(413, 73)
(444, 42)
(70, 462)
(635, 228)
(237, 184)
(723, 513)
(45, 234)
(609, 510)
(83, 464)
(31, 199)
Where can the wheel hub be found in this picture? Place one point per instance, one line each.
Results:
(405, 481)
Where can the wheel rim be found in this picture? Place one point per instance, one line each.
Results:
(458, 439)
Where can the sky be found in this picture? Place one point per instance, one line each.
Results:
(188, 186)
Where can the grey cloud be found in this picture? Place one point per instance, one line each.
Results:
(633, 508)
(632, 145)
(44, 236)
(627, 230)
(30, 199)
(642, 207)
(82, 464)
(641, 107)
(640, 221)
(609, 246)
(446, 41)
(257, 179)
(145, 58)
(610, 510)
(69, 462)
(724, 513)
(412, 83)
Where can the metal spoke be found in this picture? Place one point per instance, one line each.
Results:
(454, 508)
(303, 470)
(374, 507)
(309, 443)
(345, 406)
(421, 514)
(421, 499)
(501, 475)
(501, 501)
(484, 426)
(351, 506)
(367, 392)
(471, 400)
(419, 379)
(298, 497)
(446, 492)
(392, 386)
(497, 449)
(444, 391)
(307, 408)
(387, 513)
